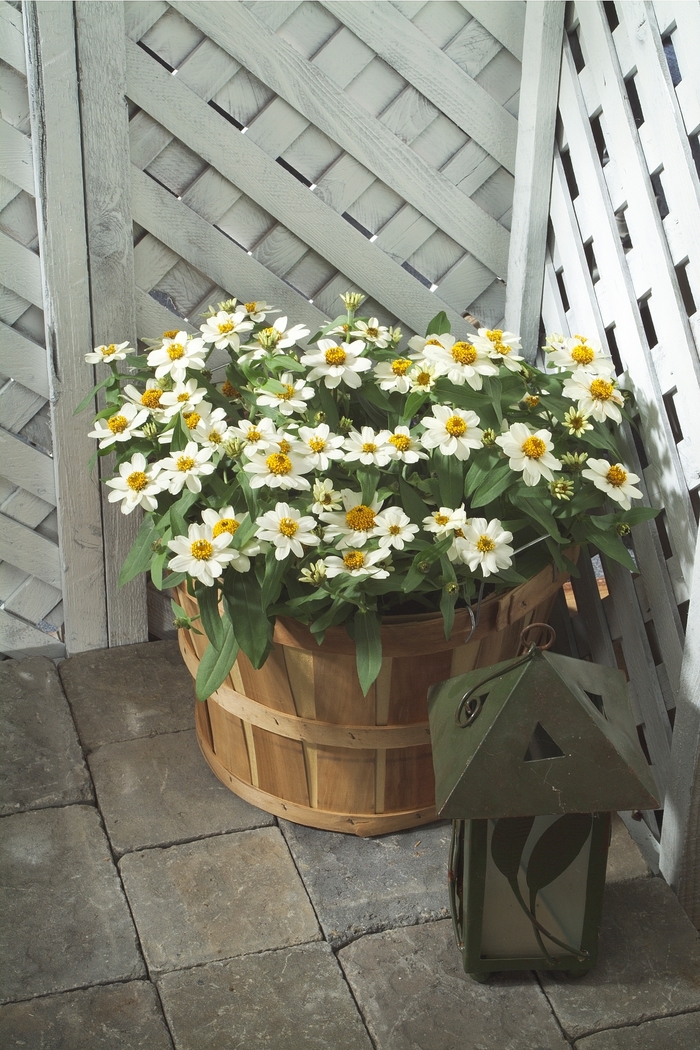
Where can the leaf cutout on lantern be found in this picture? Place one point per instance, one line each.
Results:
(555, 851)
(507, 844)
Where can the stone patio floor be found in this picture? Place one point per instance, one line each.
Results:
(143, 905)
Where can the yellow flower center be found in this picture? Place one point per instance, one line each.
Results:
(271, 335)
(534, 447)
(202, 550)
(531, 400)
(423, 379)
(251, 308)
(601, 390)
(335, 355)
(151, 398)
(616, 476)
(287, 394)
(353, 560)
(369, 446)
(192, 419)
(284, 446)
(317, 444)
(185, 463)
(253, 435)
(117, 424)
(433, 342)
(440, 519)
(176, 351)
(494, 334)
(229, 390)
(360, 518)
(373, 333)
(183, 397)
(464, 353)
(169, 335)
(214, 437)
(107, 351)
(400, 366)
(582, 355)
(576, 421)
(137, 480)
(278, 463)
(456, 426)
(225, 525)
(394, 530)
(288, 526)
(225, 327)
(458, 532)
(400, 442)
(485, 544)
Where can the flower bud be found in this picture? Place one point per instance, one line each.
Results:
(488, 437)
(562, 488)
(352, 300)
(622, 528)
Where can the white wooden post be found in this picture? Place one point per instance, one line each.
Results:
(544, 23)
(55, 120)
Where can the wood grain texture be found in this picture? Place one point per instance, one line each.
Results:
(24, 360)
(313, 94)
(16, 162)
(19, 639)
(100, 45)
(504, 20)
(55, 117)
(544, 23)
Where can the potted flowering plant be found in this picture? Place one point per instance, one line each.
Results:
(348, 479)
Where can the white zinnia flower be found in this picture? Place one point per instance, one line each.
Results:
(200, 554)
(614, 479)
(394, 528)
(280, 469)
(258, 436)
(333, 363)
(459, 361)
(185, 468)
(227, 521)
(423, 376)
(596, 395)
(222, 329)
(325, 496)
(257, 310)
(485, 546)
(274, 340)
(136, 486)
(529, 453)
(113, 352)
(497, 343)
(393, 375)
(176, 355)
(319, 446)
(150, 398)
(405, 447)
(355, 524)
(419, 343)
(369, 448)
(580, 352)
(372, 332)
(292, 399)
(358, 563)
(212, 429)
(287, 530)
(122, 426)
(444, 520)
(184, 397)
(454, 431)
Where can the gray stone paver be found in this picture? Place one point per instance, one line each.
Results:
(361, 886)
(65, 922)
(648, 965)
(414, 995)
(159, 790)
(293, 999)
(108, 1017)
(41, 763)
(668, 1033)
(126, 692)
(216, 899)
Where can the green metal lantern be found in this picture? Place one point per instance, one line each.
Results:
(530, 760)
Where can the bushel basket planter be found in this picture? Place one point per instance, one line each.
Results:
(298, 739)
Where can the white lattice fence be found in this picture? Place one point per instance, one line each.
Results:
(624, 264)
(31, 609)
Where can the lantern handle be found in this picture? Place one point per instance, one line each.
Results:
(471, 705)
(531, 645)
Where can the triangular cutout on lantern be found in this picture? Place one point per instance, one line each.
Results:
(541, 746)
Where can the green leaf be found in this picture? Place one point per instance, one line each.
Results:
(638, 514)
(497, 481)
(450, 472)
(140, 556)
(368, 478)
(414, 402)
(216, 664)
(174, 580)
(91, 396)
(368, 648)
(481, 468)
(328, 406)
(610, 543)
(412, 502)
(448, 598)
(494, 390)
(272, 581)
(181, 435)
(251, 626)
(428, 556)
(601, 438)
(530, 502)
(334, 614)
(208, 599)
(157, 566)
(439, 325)
(177, 512)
